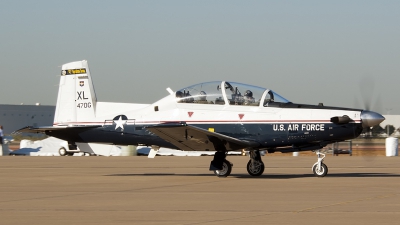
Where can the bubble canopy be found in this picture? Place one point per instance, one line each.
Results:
(224, 93)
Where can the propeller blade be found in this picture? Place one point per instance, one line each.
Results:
(367, 90)
(371, 101)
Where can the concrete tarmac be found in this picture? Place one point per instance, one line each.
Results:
(181, 190)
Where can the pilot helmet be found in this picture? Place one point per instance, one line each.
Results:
(248, 93)
(179, 94)
(202, 96)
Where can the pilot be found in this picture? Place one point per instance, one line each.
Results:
(184, 97)
(248, 98)
(188, 97)
(179, 95)
(202, 98)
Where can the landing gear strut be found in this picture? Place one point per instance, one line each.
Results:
(319, 168)
(255, 166)
(221, 166)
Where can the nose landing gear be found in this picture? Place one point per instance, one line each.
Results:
(319, 168)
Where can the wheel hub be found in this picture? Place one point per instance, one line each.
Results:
(255, 167)
(223, 171)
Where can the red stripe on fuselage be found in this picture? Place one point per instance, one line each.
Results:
(205, 121)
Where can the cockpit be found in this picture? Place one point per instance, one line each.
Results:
(224, 93)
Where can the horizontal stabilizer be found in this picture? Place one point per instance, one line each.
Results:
(44, 129)
(191, 138)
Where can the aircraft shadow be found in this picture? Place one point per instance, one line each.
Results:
(264, 176)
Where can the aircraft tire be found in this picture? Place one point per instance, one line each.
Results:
(255, 171)
(62, 151)
(323, 172)
(226, 169)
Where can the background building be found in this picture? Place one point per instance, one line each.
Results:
(14, 117)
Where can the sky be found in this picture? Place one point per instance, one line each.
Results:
(339, 53)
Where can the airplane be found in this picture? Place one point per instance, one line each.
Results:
(218, 116)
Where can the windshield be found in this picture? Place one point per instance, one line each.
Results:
(272, 96)
(203, 93)
(236, 94)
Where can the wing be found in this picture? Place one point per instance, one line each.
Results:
(191, 138)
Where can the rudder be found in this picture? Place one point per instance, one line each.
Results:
(76, 101)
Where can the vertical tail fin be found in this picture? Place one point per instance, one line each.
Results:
(76, 100)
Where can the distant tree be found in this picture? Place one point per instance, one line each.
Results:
(376, 130)
(391, 129)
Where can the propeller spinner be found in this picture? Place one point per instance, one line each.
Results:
(370, 118)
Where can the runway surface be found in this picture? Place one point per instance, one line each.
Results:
(181, 190)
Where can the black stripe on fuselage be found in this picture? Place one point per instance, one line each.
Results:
(269, 135)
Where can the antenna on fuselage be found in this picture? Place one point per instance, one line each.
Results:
(170, 91)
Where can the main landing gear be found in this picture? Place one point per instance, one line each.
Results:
(255, 166)
(226, 169)
(319, 168)
(223, 168)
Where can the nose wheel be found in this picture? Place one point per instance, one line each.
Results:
(319, 168)
(321, 171)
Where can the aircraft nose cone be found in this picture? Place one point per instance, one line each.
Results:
(370, 119)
